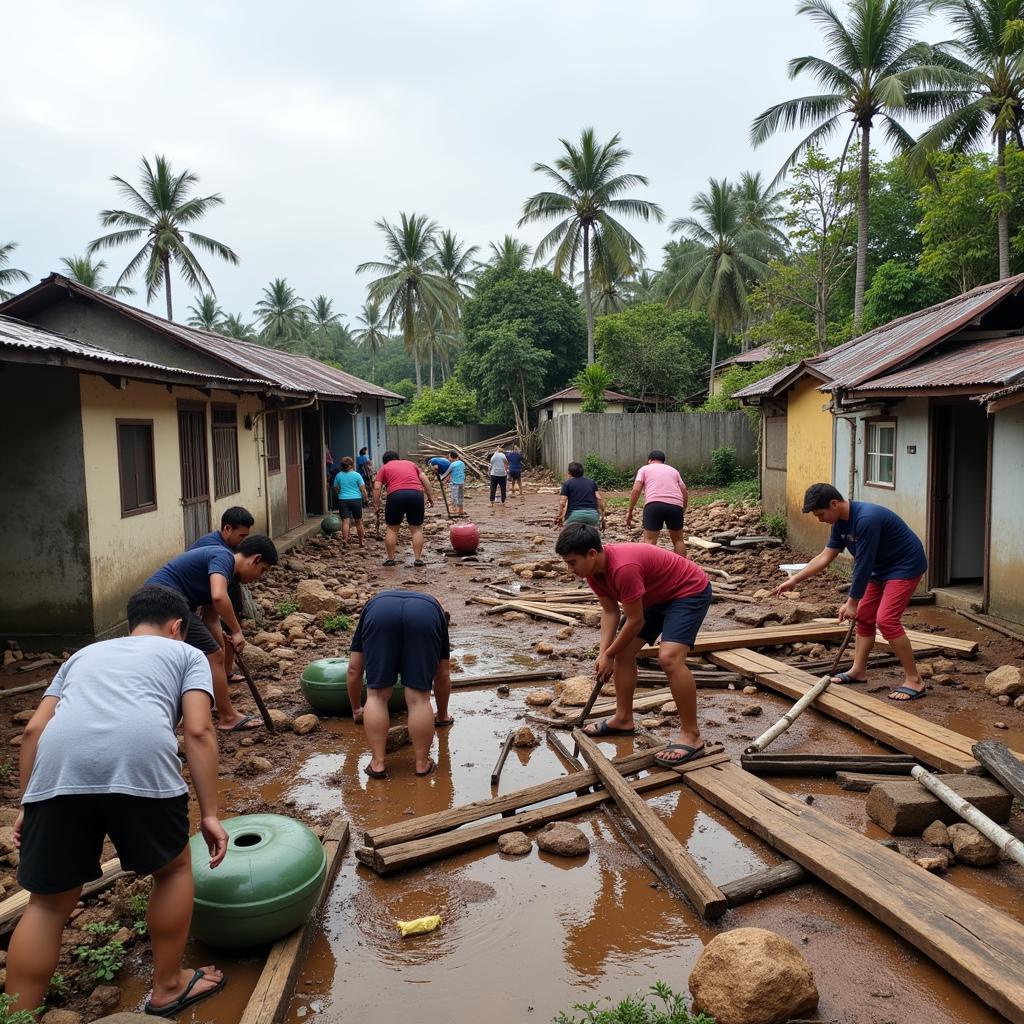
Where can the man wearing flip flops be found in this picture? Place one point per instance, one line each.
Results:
(888, 563)
(657, 593)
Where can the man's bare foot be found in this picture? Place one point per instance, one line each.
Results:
(165, 995)
(357, 716)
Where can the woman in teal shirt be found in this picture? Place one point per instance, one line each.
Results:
(351, 491)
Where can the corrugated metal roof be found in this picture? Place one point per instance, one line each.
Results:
(987, 362)
(573, 394)
(766, 385)
(17, 334)
(1007, 392)
(750, 357)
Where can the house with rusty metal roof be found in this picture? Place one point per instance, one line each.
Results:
(126, 436)
(926, 416)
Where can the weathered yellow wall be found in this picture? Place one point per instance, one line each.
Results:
(125, 551)
(808, 461)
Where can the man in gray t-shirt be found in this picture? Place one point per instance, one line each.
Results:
(100, 759)
(499, 475)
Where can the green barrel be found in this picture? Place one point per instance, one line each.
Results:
(323, 684)
(330, 524)
(267, 885)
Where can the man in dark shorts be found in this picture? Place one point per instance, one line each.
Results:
(100, 758)
(665, 501)
(401, 633)
(235, 525)
(515, 470)
(407, 488)
(202, 576)
(657, 592)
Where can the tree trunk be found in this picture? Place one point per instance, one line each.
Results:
(1002, 216)
(714, 360)
(586, 294)
(419, 369)
(431, 366)
(862, 224)
(821, 302)
(166, 260)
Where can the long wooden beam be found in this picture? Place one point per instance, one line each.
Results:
(976, 944)
(709, 900)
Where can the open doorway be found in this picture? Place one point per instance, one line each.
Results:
(314, 466)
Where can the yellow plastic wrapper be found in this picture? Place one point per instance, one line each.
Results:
(420, 926)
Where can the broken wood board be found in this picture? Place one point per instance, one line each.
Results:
(673, 856)
(864, 782)
(388, 859)
(270, 998)
(763, 883)
(921, 641)
(884, 720)
(766, 636)
(823, 765)
(1002, 764)
(507, 677)
(976, 944)
(537, 611)
(702, 544)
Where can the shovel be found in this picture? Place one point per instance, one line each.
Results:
(444, 493)
(240, 662)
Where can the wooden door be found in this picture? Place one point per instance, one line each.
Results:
(293, 468)
(195, 477)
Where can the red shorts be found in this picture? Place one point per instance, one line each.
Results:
(883, 605)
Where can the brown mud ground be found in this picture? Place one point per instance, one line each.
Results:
(524, 938)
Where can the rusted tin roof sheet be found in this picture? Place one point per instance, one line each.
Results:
(574, 395)
(767, 385)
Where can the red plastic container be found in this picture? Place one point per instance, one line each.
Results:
(465, 538)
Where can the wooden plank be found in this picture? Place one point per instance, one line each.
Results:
(507, 677)
(506, 746)
(1002, 764)
(709, 900)
(826, 764)
(976, 944)
(535, 610)
(928, 641)
(42, 684)
(702, 544)
(767, 636)
(862, 782)
(270, 998)
(763, 883)
(388, 859)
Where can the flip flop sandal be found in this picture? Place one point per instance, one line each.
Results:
(911, 693)
(440, 723)
(184, 1000)
(235, 678)
(242, 725)
(604, 729)
(430, 770)
(374, 774)
(845, 679)
(419, 562)
(691, 753)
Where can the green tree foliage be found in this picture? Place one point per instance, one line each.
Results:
(157, 215)
(509, 254)
(89, 272)
(654, 352)
(592, 381)
(371, 333)
(896, 290)
(282, 315)
(452, 404)
(511, 372)
(234, 325)
(205, 313)
(9, 275)
(542, 309)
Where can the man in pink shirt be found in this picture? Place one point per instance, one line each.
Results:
(406, 486)
(658, 593)
(665, 501)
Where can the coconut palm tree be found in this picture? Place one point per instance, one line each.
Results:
(83, 270)
(645, 287)
(456, 262)
(720, 257)
(282, 315)
(323, 321)
(205, 313)
(411, 287)
(159, 211)
(762, 209)
(234, 326)
(509, 254)
(371, 332)
(9, 275)
(875, 69)
(587, 199)
(610, 288)
(988, 53)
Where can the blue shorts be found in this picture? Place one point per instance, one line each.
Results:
(677, 621)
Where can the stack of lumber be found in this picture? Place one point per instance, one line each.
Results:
(475, 455)
(565, 609)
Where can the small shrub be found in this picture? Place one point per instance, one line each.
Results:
(724, 466)
(101, 928)
(8, 768)
(337, 623)
(104, 961)
(9, 1016)
(775, 525)
(605, 475)
(641, 1008)
(286, 607)
(58, 989)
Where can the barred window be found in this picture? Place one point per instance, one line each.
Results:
(273, 443)
(136, 466)
(225, 451)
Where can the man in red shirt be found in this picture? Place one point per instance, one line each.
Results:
(406, 488)
(658, 593)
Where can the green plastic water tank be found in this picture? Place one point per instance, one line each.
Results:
(267, 885)
(330, 524)
(324, 685)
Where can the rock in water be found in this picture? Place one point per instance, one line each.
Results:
(563, 839)
(515, 844)
(576, 691)
(971, 847)
(398, 737)
(525, 737)
(752, 976)
(305, 723)
(539, 698)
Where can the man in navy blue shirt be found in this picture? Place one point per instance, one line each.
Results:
(202, 576)
(515, 469)
(888, 563)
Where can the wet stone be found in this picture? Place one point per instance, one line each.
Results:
(937, 834)
(305, 724)
(525, 737)
(539, 698)
(514, 844)
(563, 839)
(971, 847)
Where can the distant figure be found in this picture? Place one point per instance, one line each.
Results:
(401, 633)
(665, 500)
(499, 475)
(581, 500)
(456, 474)
(515, 469)
(407, 487)
(365, 466)
(439, 464)
(351, 491)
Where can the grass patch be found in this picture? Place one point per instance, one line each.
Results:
(775, 526)
(10, 1016)
(337, 623)
(605, 475)
(286, 607)
(739, 492)
(660, 1006)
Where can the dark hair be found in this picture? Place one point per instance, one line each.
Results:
(453, 454)
(657, 455)
(578, 539)
(820, 496)
(258, 544)
(236, 516)
(575, 469)
(154, 605)
(389, 456)
(362, 451)
(346, 462)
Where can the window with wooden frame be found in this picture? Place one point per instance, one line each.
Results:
(273, 443)
(225, 451)
(136, 466)
(880, 453)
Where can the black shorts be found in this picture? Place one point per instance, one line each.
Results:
(62, 838)
(676, 622)
(407, 505)
(514, 474)
(350, 508)
(199, 635)
(660, 513)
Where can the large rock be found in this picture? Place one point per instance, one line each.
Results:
(300, 619)
(800, 612)
(1007, 680)
(752, 976)
(971, 847)
(907, 808)
(576, 691)
(563, 839)
(312, 596)
(515, 844)
(260, 662)
(398, 737)
(305, 724)
(525, 737)
(61, 1017)
(937, 834)
(103, 997)
(539, 698)
(751, 615)
(265, 639)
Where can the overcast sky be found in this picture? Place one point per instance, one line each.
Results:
(314, 119)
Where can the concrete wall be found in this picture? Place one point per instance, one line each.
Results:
(624, 440)
(406, 439)
(1006, 555)
(44, 537)
(808, 460)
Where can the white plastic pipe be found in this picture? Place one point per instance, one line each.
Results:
(772, 734)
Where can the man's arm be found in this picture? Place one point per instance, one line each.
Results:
(634, 497)
(600, 505)
(818, 563)
(634, 613)
(27, 754)
(684, 492)
(563, 504)
(201, 754)
(222, 604)
(377, 487)
(427, 491)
